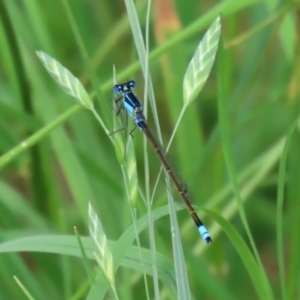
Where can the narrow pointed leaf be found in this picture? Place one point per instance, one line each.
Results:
(201, 63)
(131, 171)
(102, 254)
(67, 81)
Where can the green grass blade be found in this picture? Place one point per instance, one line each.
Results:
(225, 132)
(256, 274)
(131, 172)
(280, 202)
(87, 266)
(124, 254)
(142, 51)
(67, 81)
(23, 288)
(201, 63)
(143, 58)
(198, 69)
(182, 282)
(102, 253)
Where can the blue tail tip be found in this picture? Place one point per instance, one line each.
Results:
(204, 234)
(208, 240)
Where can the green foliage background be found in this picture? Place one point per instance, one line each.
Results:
(238, 143)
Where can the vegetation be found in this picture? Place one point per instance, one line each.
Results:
(236, 144)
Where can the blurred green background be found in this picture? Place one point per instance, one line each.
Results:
(46, 188)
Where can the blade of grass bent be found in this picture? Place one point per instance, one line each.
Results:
(225, 139)
(280, 201)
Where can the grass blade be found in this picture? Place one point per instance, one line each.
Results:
(67, 81)
(102, 254)
(201, 63)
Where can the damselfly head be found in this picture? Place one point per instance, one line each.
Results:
(123, 87)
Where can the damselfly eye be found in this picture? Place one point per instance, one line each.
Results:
(117, 89)
(131, 84)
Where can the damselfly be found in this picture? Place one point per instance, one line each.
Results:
(133, 107)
